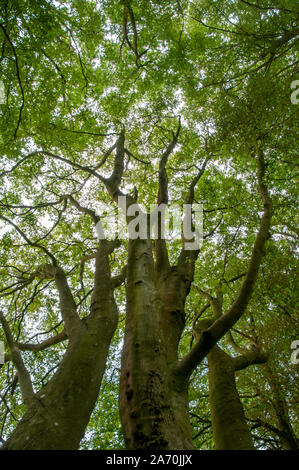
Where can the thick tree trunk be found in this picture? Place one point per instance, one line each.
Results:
(58, 414)
(153, 400)
(230, 429)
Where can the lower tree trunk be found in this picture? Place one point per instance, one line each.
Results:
(153, 401)
(59, 413)
(153, 406)
(230, 429)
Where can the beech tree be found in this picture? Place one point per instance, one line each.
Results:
(113, 107)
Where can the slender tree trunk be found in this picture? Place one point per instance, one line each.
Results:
(286, 434)
(60, 412)
(230, 429)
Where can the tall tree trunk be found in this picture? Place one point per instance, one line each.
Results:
(153, 399)
(230, 429)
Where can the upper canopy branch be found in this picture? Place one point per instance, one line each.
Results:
(162, 259)
(129, 14)
(215, 302)
(36, 347)
(190, 194)
(284, 39)
(82, 209)
(86, 169)
(247, 357)
(254, 356)
(18, 77)
(187, 258)
(233, 343)
(114, 181)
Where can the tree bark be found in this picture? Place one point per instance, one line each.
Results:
(58, 414)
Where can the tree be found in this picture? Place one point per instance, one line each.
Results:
(123, 105)
(230, 429)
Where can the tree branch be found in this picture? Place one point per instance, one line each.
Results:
(215, 302)
(102, 289)
(163, 180)
(162, 259)
(190, 195)
(82, 209)
(118, 280)
(18, 77)
(187, 258)
(113, 182)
